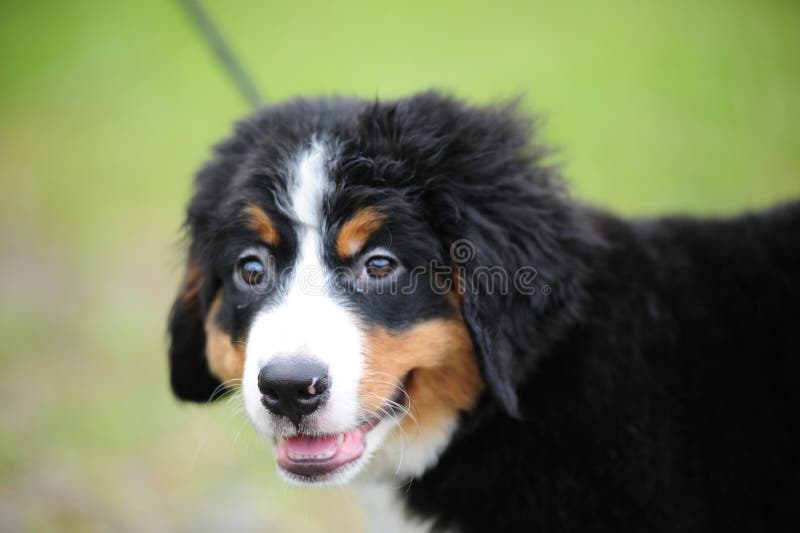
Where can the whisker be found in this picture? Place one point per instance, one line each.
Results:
(405, 408)
(397, 406)
(396, 382)
(224, 388)
(402, 434)
(397, 386)
(238, 433)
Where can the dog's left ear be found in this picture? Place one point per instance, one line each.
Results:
(502, 213)
(190, 376)
(519, 276)
(487, 317)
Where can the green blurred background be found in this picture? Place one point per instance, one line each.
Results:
(107, 108)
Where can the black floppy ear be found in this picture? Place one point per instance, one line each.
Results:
(486, 308)
(501, 214)
(188, 367)
(492, 348)
(520, 278)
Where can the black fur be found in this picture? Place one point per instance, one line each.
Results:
(650, 382)
(669, 402)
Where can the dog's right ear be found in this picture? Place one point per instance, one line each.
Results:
(188, 366)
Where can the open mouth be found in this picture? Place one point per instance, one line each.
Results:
(316, 456)
(310, 458)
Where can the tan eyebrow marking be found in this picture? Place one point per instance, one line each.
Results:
(259, 221)
(356, 231)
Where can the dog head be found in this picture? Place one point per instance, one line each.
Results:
(364, 271)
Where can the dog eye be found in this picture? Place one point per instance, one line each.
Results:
(379, 266)
(250, 272)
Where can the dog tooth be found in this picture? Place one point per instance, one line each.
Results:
(340, 439)
(303, 456)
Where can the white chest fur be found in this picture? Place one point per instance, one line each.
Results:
(385, 511)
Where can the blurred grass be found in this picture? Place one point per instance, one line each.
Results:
(106, 109)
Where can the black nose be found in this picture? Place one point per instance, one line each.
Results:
(293, 387)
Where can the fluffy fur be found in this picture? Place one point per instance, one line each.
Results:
(647, 381)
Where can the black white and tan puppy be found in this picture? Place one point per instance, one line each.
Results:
(403, 291)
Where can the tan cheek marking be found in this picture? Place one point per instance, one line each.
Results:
(445, 378)
(458, 285)
(356, 231)
(225, 358)
(191, 282)
(259, 221)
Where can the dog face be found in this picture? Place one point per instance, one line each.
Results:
(324, 277)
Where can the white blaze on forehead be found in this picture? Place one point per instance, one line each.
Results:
(310, 186)
(308, 321)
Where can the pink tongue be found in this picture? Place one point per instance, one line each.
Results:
(311, 445)
(313, 456)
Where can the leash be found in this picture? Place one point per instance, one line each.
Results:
(212, 36)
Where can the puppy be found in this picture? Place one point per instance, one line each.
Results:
(404, 293)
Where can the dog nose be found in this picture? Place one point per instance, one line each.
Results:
(293, 387)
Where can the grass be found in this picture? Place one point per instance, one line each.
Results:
(106, 110)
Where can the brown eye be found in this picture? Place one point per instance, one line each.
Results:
(251, 272)
(379, 266)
